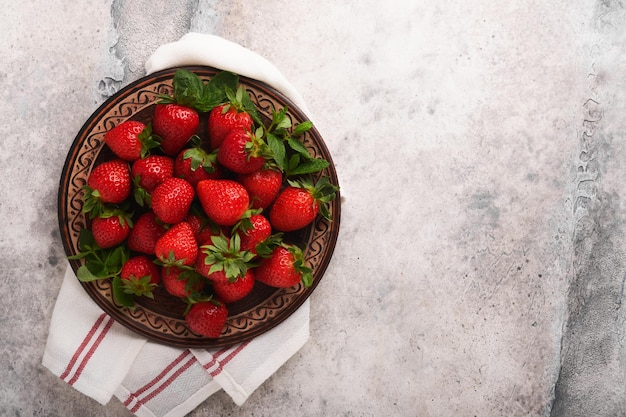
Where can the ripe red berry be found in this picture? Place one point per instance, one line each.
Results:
(225, 118)
(110, 181)
(175, 125)
(152, 171)
(262, 185)
(172, 199)
(223, 201)
(144, 234)
(207, 318)
(177, 246)
(109, 231)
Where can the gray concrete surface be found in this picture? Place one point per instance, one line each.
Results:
(480, 265)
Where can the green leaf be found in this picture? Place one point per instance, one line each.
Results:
(84, 275)
(277, 147)
(299, 147)
(121, 297)
(86, 239)
(215, 92)
(301, 128)
(309, 166)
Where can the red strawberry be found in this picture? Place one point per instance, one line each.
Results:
(262, 185)
(284, 268)
(130, 140)
(172, 199)
(145, 233)
(108, 183)
(298, 204)
(242, 152)
(223, 119)
(110, 231)
(140, 276)
(175, 125)
(235, 290)
(152, 171)
(195, 165)
(177, 246)
(207, 318)
(254, 230)
(180, 282)
(224, 201)
(203, 228)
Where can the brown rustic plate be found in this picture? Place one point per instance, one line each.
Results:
(162, 319)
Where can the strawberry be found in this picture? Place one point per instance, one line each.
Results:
(284, 268)
(223, 119)
(108, 183)
(172, 199)
(202, 227)
(140, 276)
(181, 282)
(224, 201)
(207, 318)
(231, 291)
(177, 246)
(131, 140)
(262, 185)
(253, 230)
(111, 229)
(175, 124)
(298, 204)
(222, 259)
(243, 152)
(145, 233)
(151, 171)
(195, 165)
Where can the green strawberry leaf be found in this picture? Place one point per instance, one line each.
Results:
(277, 147)
(121, 297)
(301, 128)
(148, 140)
(307, 167)
(98, 263)
(299, 147)
(84, 274)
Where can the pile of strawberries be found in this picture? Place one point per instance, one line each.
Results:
(204, 217)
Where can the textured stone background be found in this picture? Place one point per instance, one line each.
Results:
(481, 261)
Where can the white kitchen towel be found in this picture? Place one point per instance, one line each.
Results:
(100, 358)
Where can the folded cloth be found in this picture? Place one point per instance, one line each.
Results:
(101, 358)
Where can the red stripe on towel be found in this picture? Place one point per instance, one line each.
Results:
(157, 378)
(228, 358)
(164, 385)
(82, 346)
(91, 351)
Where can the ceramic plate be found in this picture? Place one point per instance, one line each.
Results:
(162, 319)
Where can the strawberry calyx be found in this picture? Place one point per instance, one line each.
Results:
(140, 194)
(121, 212)
(148, 140)
(239, 99)
(264, 249)
(256, 146)
(225, 255)
(322, 191)
(299, 263)
(171, 261)
(141, 287)
(244, 224)
(196, 297)
(199, 158)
